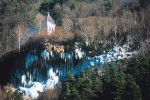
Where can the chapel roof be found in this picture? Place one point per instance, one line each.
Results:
(50, 19)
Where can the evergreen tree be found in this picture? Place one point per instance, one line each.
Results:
(75, 94)
(113, 84)
(132, 90)
(66, 92)
(67, 86)
(139, 68)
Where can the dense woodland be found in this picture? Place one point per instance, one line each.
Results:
(119, 82)
(101, 23)
(97, 21)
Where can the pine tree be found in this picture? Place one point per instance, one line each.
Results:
(67, 86)
(113, 84)
(139, 68)
(132, 90)
(75, 94)
(66, 92)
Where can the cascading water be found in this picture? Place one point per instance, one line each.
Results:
(39, 68)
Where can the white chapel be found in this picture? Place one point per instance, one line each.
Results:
(50, 25)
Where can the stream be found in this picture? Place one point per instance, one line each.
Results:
(40, 68)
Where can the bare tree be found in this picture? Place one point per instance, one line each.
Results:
(19, 30)
(88, 28)
(39, 18)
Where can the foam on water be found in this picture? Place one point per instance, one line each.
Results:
(38, 87)
(33, 88)
(115, 54)
(78, 54)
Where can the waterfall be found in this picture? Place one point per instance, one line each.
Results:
(40, 69)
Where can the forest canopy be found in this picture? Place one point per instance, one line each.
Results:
(94, 25)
